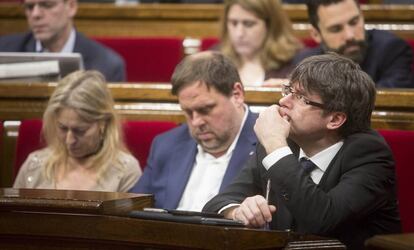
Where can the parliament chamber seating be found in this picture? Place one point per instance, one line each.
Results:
(138, 138)
(401, 143)
(139, 135)
(147, 59)
(28, 140)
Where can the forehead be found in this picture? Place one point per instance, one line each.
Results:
(337, 13)
(198, 93)
(238, 12)
(69, 116)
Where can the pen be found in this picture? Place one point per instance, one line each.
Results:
(267, 225)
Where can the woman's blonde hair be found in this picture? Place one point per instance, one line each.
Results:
(87, 94)
(280, 44)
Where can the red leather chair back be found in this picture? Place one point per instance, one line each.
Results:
(147, 59)
(208, 42)
(28, 140)
(139, 136)
(402, 145)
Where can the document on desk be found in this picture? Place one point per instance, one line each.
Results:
(185, 217)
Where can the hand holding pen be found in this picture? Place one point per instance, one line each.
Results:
(254, 211)
(267, 225)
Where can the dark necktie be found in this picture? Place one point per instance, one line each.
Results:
(307, 165)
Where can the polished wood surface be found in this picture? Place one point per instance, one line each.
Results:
(85, 202)
(67, 228)
(80, 231)
(192, 20)
(394, 109)
(391, 242)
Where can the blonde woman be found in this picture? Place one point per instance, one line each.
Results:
(84, 149)
(258, 37)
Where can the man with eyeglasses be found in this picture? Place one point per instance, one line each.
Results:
(338, 26)
(319, 168)
(52, 30)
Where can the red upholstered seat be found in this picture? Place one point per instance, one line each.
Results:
(208, 42)
(29, 140)
(402, 145)
(139, 136)
(147, 59)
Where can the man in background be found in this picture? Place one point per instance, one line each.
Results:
(52, 30)
(319, 168)
(189, 165)
(338, 26)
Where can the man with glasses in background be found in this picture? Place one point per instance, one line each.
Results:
(319, 168)
(52, 30)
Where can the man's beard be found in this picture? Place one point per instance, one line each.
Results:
(356, 55)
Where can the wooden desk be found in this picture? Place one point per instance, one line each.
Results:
(37, 229)
(394, 109)
(71, 201)
(193, 20)
(391, 242)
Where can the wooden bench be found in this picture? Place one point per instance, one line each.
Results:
(192, 20)
(154, 102)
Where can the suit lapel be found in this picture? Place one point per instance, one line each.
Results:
(79, 48)
(245, 147)
(30, 45)
(179, 172)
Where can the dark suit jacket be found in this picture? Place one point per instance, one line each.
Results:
(172, 158)
(388, 61)
(95, 56)
(355, 199)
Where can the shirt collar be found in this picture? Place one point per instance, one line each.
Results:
(323, 158)
(67, 48)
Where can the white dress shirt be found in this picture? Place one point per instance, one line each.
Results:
(67, 48)
(206, 177)
(321, 159)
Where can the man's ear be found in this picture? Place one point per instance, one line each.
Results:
(238, 93)
(73, 7)
(337, 119)
(315, 34)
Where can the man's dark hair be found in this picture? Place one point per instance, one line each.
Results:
(210, 68)
(313, 6)
(342, 86)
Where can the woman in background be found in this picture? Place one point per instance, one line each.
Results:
(257, 35)
(84, 149)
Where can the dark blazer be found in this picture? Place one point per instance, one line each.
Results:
(171, 161)
(388, 61)
(355, 199)
(95, 56)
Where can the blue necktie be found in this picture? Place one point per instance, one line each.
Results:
(307, 165)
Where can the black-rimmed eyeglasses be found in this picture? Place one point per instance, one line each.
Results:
(287, 90)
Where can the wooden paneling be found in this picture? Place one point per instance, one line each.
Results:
(391, 242)
(29, 220)
(192, 20)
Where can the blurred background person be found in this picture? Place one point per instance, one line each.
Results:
(85, 150)
(338, 26)
(52, 30)
(258, 37)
